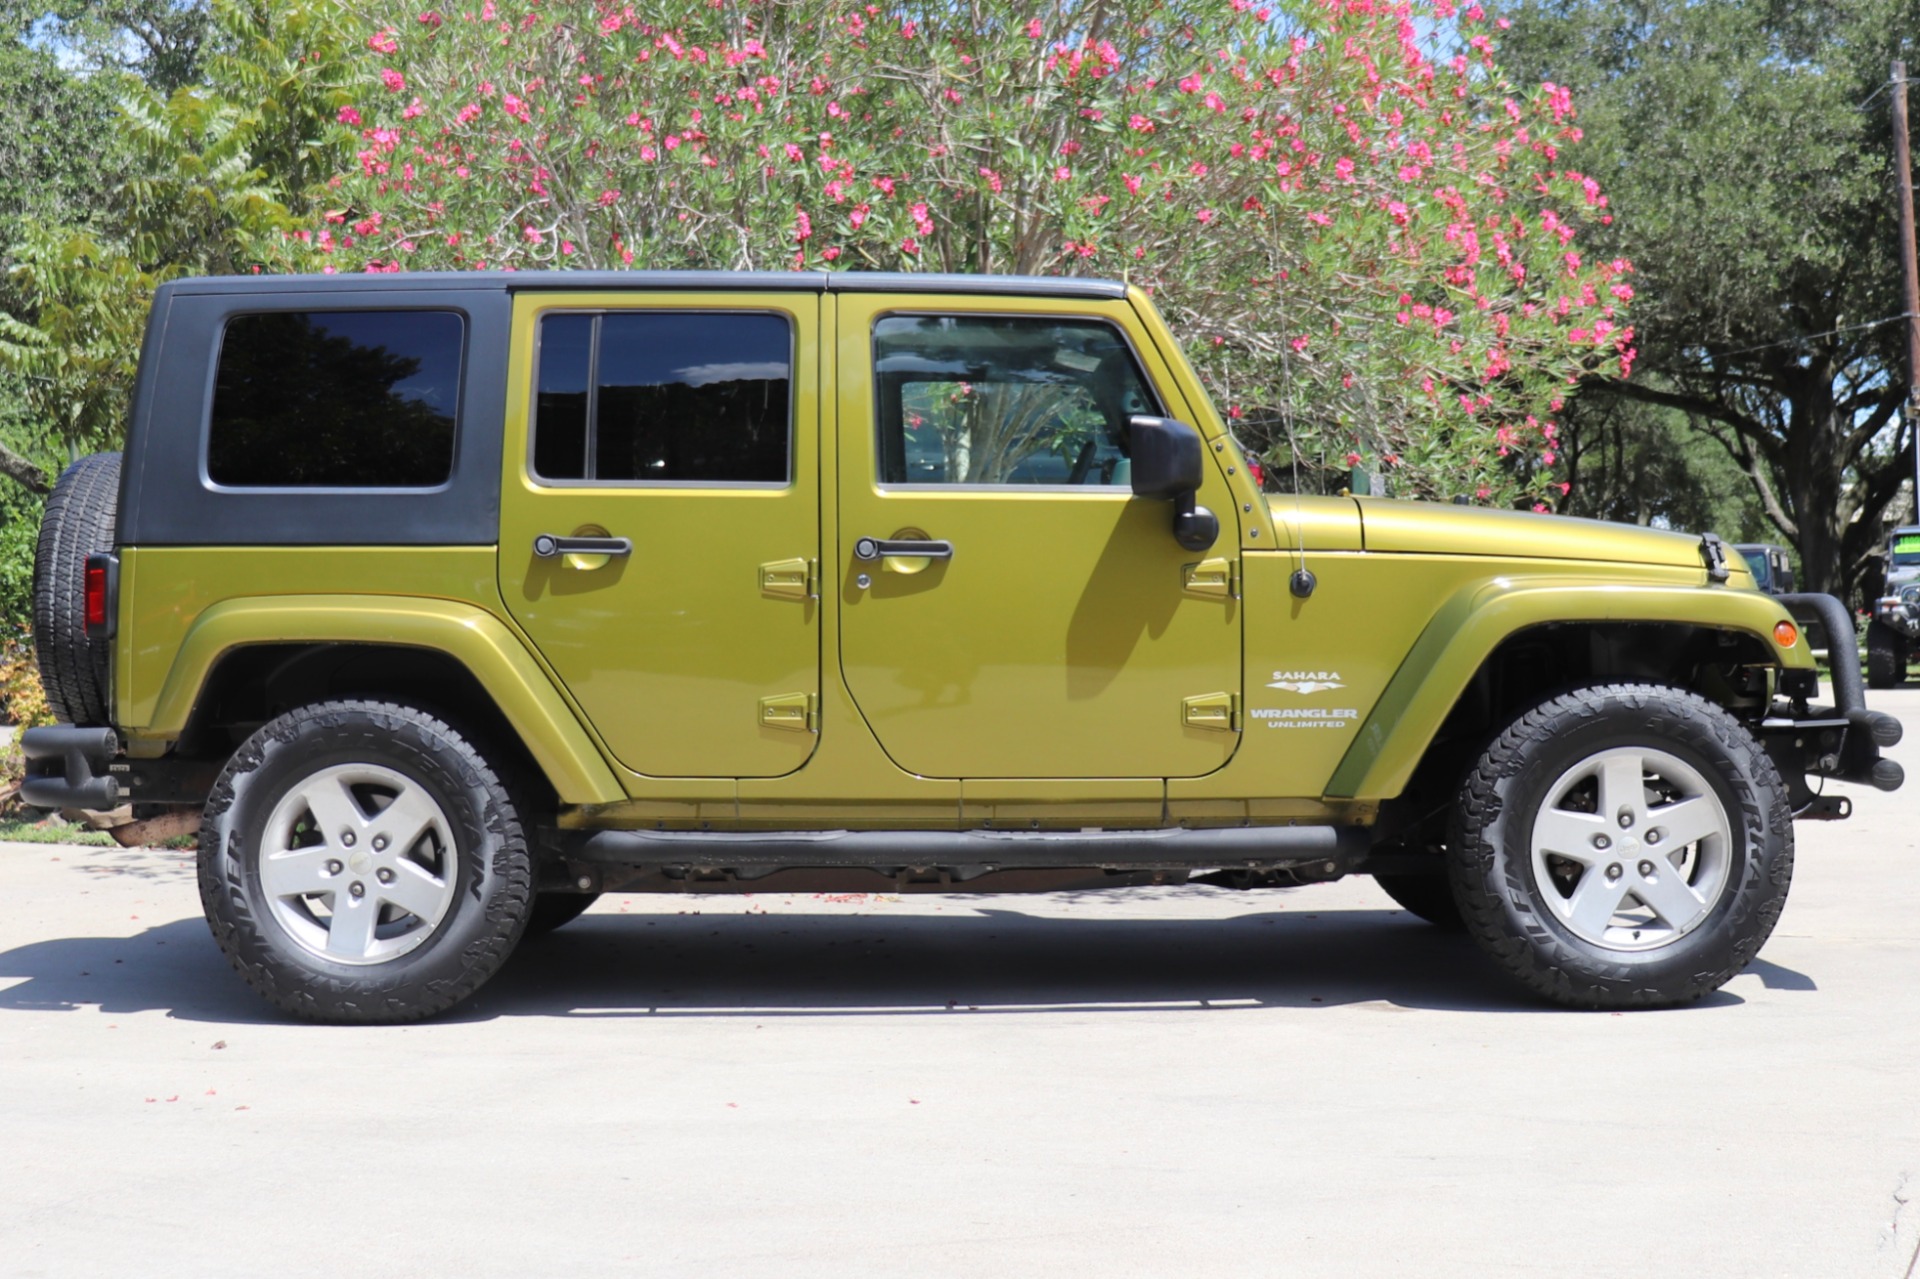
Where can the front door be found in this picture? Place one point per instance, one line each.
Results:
(1066, 634)
(659, 524)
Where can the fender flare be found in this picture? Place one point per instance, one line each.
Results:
(1476, 619)
(476, 639)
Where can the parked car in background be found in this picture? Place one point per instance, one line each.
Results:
(1893, 636)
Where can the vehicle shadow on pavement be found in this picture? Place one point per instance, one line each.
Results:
(997, 960)
(174, 968)
(992, 960)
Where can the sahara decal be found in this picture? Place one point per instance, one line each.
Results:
(1306, 681)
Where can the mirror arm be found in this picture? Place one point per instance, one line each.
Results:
(1194, 526)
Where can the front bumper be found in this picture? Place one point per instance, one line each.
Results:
(1841, 742)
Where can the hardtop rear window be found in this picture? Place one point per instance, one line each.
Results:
(336, 399)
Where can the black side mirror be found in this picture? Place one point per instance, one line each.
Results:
(1167, 458)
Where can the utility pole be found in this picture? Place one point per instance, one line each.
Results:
(1903, 185)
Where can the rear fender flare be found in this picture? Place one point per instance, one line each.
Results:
(473, 637)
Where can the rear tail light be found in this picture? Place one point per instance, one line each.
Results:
(101, 584)
(96, 596)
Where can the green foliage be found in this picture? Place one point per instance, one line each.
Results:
(1746, 149)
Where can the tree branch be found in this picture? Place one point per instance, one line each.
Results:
(23, 472)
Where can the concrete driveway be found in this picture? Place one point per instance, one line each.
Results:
(1193, 1082)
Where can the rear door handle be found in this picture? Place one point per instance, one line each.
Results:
(873, 548)
(548, 545)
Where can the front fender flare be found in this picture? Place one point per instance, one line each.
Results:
(1477, 618)
(473, 637)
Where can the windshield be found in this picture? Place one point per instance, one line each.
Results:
(1757, 561)
(1906, 549)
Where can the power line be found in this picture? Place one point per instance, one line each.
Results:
(1808, 337)
(1863, 105)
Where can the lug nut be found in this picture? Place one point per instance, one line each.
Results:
(1602, 843)
(1626, 819)
(1613, 871)
(359, 889)
(1646, 870)
(585, 883)
(384, 875)
(334, 868)
(1653, 837)
(346, 837)
(379, 843)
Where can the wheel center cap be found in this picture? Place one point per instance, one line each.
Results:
(359, 862)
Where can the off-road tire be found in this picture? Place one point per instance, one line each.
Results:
(557, 910)
(494, 888)
(1491, 853)
(79, 521)
(1886, 656)
(1430, 897)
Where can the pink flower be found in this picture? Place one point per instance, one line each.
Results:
(1062, 173)
(910, 246)
(349, 116)
(922, 220)
(414, 108)
(858, 216)
(1034, 30)
(395, 82)
(430, 19)
(566, 248)
(383, 42)
(1133, 183)
(609, 198)
(802, 228)
(1353, 459)
(532, 233)
(830, 253)
(1204, 216)
(1139, 123)
(1192, 84)
(1343, 169)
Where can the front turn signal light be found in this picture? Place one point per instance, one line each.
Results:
(1785, 634)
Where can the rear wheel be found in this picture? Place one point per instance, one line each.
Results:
(362, 862)
(1623, 846)
(80, 520)
(1886, 656)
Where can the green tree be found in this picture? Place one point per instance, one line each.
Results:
(1746, 149)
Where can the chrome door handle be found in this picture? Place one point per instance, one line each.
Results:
(873, 548)
(548, 545)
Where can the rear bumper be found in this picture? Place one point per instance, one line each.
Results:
(70, 767)
(1841, 742)
(83, 768)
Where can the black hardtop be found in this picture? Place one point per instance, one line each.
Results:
(400, 283)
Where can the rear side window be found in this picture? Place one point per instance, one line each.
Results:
(336, 399)
(693, 397)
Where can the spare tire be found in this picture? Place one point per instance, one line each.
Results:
(79, 521)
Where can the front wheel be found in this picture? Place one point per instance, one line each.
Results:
(1623, 846)
(362, 862)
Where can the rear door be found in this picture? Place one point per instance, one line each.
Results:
(1067, 635)
(659, 523)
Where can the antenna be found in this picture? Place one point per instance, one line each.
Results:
(1303, 581)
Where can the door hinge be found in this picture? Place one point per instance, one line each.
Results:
(1218, 577)
(795, 579)
(1217, 711)
(795, 712)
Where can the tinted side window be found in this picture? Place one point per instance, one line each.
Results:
(697, 397)
(976, 399)
(336, 399)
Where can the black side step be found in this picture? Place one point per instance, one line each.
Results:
(1334, 848)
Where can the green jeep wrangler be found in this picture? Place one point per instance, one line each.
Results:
(441, 604)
